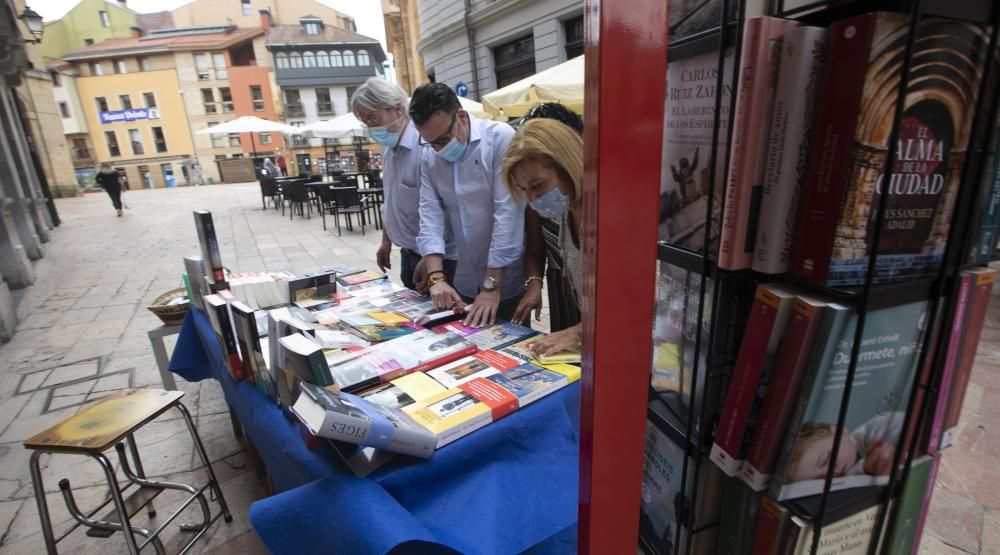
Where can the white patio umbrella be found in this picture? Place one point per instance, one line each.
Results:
(343, 126)
(562, 83)
(474, 108)
(250, 124)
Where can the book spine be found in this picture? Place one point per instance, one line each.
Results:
(948, 372)
(829, 167)
(414, 441)
(341, 427)
(767, 537)
(746, 375)
(812, 383)
(980, 302)
(925, 506)
(210, 247)
(803, 52)
(320, 369)
(739, 158)
(765, 441)
(986, 242)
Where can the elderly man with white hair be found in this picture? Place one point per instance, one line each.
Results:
(382, 108)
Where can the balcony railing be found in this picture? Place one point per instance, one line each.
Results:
(81, 154)
(294, 110)
(325, 108)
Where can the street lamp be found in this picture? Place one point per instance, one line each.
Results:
(34, 23)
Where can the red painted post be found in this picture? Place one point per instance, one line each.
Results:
(626, 60)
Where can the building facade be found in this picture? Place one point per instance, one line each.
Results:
(487, 45)
(402, 32)
(74, 122)
(245, 13)
(26, 215)
(89, 22)
(317, 67)
(145, 97)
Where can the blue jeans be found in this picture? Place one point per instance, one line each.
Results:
(408, 264)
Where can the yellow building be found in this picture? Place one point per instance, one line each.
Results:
(134, 111)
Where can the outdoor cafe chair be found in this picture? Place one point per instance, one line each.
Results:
(347, 201)
(298, 197)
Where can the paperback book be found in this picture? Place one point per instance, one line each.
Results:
(403, 391)
(210, 253)
(479, 365)
(217, 310)
(497, 336)
(885, 373)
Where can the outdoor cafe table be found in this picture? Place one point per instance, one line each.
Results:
(507, 488)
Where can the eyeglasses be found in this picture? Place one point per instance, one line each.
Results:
(443, 140)
(370, 120)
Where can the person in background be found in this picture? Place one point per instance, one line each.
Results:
(542, 236)
(381, 107)
(270, 169)
(461, 187)
(108, 179)
(282, 164)
(544, 164)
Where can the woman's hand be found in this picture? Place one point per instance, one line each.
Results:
(557, 342)
(530, 300)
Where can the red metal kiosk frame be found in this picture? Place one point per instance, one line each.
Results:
(626, 61)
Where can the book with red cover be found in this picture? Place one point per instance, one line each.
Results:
(765, 327)
(218, 315)
(757, 83)
(936, 428)
(772, 520)
(979, 304)
(808, 316)
(849, 148)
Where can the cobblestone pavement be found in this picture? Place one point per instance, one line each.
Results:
(83, 334)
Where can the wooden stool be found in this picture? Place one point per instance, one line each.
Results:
(91, 432)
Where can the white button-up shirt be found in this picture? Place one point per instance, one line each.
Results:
(469, 197)
(401, 180)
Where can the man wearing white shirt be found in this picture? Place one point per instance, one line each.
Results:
(461, 188)
(381, 107)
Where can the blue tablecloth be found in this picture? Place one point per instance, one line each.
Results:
(507, 488)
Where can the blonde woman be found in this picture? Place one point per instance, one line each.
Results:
(544, 165)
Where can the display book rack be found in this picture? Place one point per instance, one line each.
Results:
(709, 305)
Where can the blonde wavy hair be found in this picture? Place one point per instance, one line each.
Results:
(551, 144)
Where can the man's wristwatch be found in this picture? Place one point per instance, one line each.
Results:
(435, 278)
(489, 284)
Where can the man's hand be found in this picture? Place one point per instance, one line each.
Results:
(557, 342)
(445, 297)
(484, 309)
(530, 300)
(382, 256)
(420, 276)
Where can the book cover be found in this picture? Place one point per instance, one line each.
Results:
(451, 414)
(851, 535)
(978, 308)
(689, 123)
(926, 502)
(772, 520)
(194, 269)
(309, 291)
(210, 253)
(479, 365)
(885, 372)
(529, 382)
(736, 523)
(218, 315)
(757, 82)
(903, 539)
(937, 426)
(568, 356)
(376, 333)
(248, 338)
(803, 52)
(667, 512)
(403, 391)
(362, 277)
(810, 316)
(305, 360)
(765, 328)
(501, 335)
(345, 417)
(691, 17)
(849, 149)
(986, 209)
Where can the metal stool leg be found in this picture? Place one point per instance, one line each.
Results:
(116, 496)
(43, 507)
(204, 458)
(151, 510)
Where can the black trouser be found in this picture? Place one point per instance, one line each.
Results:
(408, 261)
(116, 196)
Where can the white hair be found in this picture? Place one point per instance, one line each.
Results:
(378, 94)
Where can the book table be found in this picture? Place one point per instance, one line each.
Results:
(507, 488)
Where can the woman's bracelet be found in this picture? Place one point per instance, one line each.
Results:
(530, 279)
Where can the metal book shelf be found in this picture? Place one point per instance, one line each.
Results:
(610, 499)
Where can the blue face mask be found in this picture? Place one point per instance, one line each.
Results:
(452, 151)
(552, 204)
(383, 136)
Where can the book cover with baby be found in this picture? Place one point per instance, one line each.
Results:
(884, 374)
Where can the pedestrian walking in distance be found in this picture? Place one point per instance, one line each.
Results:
(108, 178)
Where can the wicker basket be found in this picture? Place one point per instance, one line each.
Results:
(172, 315)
